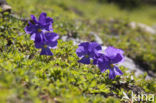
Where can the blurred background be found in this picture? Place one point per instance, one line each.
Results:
(135, 10)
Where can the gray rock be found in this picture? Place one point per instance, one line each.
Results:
(154, 27)
(132, 67)
(143, 27)
(76, 41)
(4, 5)
(97, 38)
(64, 38)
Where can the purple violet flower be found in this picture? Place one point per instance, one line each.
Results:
(87, 51)
(36, 28)
(109, 60)
(49, 41)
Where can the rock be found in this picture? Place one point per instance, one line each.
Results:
(154, 27)
(132, 67)
(76, 41)
(143, 27)
(97, 38)
(64, 38)
(4, 5)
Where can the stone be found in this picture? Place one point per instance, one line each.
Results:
(4, 5)
(97, 38)
(143, 27)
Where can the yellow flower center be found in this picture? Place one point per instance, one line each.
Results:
(111, 65)
(45, 46)
(91, 61)
(39, 30)
(86, 56)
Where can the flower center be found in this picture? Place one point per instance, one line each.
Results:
(91, 61)
(39, 30)
(111, 65)
(86, 56)
(45, 46)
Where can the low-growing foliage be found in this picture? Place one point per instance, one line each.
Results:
(26, 76)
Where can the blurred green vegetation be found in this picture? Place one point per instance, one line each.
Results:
(128, 4)
(25, 76)
(85, 9)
